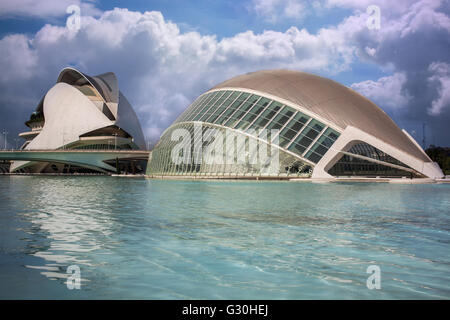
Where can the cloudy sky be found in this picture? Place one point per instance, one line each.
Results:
(167, 52)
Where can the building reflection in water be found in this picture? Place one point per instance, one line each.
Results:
(70, 222)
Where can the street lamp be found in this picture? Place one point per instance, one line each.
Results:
(64, 139)
(17, 143)
(5, 133)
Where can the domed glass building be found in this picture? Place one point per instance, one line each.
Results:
(313, 126)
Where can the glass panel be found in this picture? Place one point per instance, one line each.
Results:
(226, 115)
(266, 116)
(212, 99)
(314, 157)
(293, 127)
(281, 118)
(253, 113)
(194, 111)
(205, 99)
(207, 113)
(306, 137)
(367, 150)
(352, 166)
(242, 110)
(161, 161)
(87, 90)
(224, 105)
(193, 108)
(322, 145)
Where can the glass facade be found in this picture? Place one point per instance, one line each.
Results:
(352, 166)
(202, 163)
(302, 140)
(365, 149)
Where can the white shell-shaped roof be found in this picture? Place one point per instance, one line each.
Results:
(105, 84)
(329, 100)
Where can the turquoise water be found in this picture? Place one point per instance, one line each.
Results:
(153, 239)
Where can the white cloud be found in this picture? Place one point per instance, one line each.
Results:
(386, 91)
(298, 49)
(388, 7)
(370, 51)
(440, 79)
(423, 16)
(44, 8)
(159, 68)
(403, 17)
(273, 10)
(294, 9)
(411, 38)
(17, 59)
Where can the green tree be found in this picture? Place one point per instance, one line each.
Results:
(441, 155)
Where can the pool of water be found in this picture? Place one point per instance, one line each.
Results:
(153, 239)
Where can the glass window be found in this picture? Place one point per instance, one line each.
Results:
(206, 112)
(211, 99)
(224, 105)
(200, 105)
(322, 145)
(193, 108)
(293, 127)
(281, 118)
(314, 157)
(266, 116)
(307, 136)
(253, 113)
(87, 90)
(242, 110)
(231, 109)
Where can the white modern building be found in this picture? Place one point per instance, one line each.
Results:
(80, 112)
(325, 130)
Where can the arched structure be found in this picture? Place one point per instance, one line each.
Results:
(80, 112)
(323, 129)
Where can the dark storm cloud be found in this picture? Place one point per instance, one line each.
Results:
(410, 43)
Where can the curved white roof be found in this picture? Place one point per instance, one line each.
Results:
(106, 85)
(62, 100)
(329, 100)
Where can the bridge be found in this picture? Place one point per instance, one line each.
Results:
(92, 159)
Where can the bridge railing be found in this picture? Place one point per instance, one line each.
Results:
(77, 150)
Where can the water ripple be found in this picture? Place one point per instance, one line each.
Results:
(224, 240)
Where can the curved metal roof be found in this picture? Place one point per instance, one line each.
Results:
(329, 100)
(105, 84)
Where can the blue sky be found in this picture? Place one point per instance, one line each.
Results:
(165, 53)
